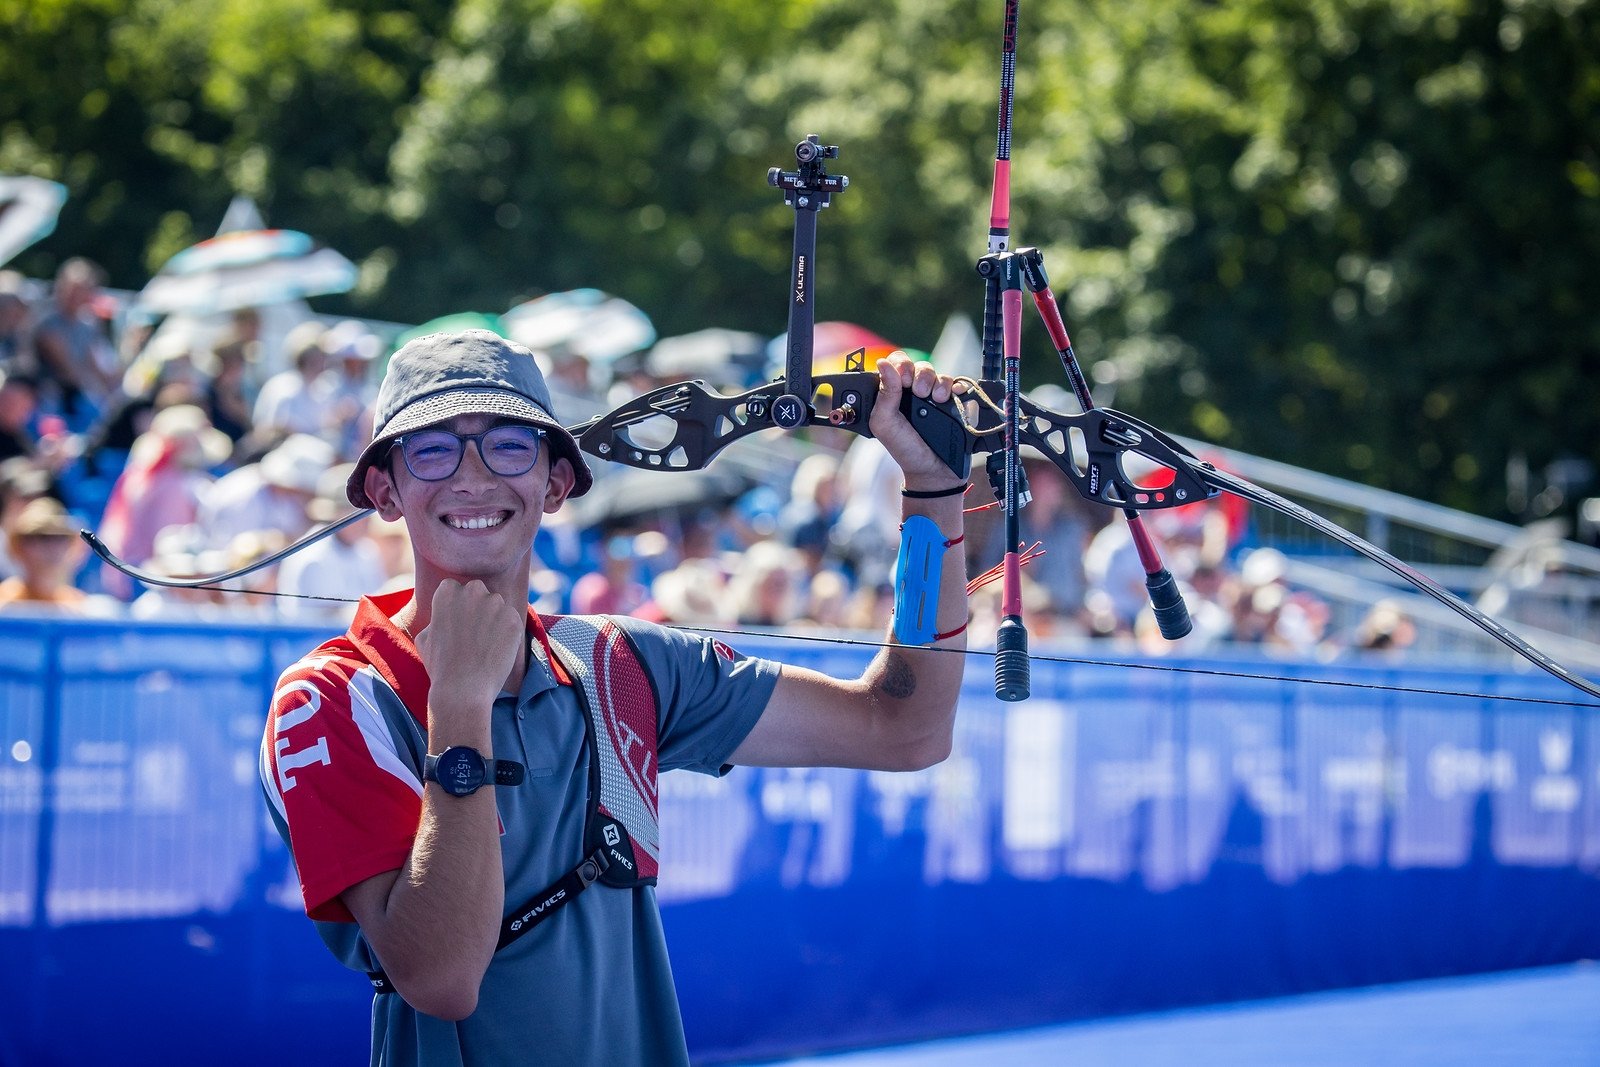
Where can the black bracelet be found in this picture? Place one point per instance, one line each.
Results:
(934, 494)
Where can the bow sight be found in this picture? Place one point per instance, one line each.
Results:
(807, 190)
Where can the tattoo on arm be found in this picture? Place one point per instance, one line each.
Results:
(899, 680)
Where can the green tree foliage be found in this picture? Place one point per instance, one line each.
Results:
(155, 113)
(1374, 224)
(566, 143)
(1353, 234)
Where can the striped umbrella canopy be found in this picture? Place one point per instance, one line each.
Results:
(247, 268)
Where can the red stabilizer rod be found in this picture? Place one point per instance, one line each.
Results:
(1011, 669)
(1045, 301)
(1000, 207)
(1165, 597)
(1011, 587)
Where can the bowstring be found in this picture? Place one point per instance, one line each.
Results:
(1081, 661)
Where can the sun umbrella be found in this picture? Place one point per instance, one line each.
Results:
(632, 496)
(831, 342)
(722, 356)
(461, 320)
(247, 268)
(585, 322)
(28, 211)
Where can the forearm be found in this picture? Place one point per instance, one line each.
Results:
(440, 920)
(917, 686)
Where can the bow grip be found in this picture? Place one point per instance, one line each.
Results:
(845, 400)
(943, 428)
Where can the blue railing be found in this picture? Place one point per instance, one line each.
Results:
(1127, 839)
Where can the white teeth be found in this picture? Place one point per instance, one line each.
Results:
(480, 522)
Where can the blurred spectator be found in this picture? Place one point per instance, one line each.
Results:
(268, 495)
(342, 567)
(1260, 598)
(244, 326)
(176, 604)
(163, 375)
(567, 369)
(45, 545)
(827, 601)
(16, 320)
(1117, 592)
(223, 394)
(806, 522)
(1268, 612)
(694, 593)
(867, 535)
(393, 544)
(765, 590)
(346, 389)
(251, 594)
(288, 403)
(1207, 594)
(19, 400)
(78, 367)
(618, 587)
(166, 356)
(161, 485)
(1386, 628)
(1060, 518)
(22, 481)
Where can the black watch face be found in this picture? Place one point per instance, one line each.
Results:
(460, 771)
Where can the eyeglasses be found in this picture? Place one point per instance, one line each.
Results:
(434, 455)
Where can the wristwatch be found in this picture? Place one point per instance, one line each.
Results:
(462, 771)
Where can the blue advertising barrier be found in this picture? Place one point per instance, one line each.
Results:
(1126, 840)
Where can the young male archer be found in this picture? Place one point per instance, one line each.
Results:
(468, 789)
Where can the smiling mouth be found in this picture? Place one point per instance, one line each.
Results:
(475, 522)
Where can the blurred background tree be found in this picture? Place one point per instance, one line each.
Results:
(1355, 235)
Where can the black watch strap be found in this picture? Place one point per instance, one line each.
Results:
(506, 772)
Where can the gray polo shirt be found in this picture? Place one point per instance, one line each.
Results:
(592, 983)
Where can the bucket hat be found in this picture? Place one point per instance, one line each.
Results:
(474, 372)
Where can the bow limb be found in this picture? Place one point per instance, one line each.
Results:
(99, 548)
(1091, 448)
(1255, 494)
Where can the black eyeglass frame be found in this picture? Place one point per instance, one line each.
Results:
(476, 439)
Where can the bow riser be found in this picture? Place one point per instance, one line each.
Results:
(682, 427)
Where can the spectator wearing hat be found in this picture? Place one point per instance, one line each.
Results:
(44, 543)
(346, 389)
(765, 590)
(176, 603)
(168, 468)
(393, 543)
(22, 481)
(252, 595)
(288, 402)
(341, 568)
(271, 494)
